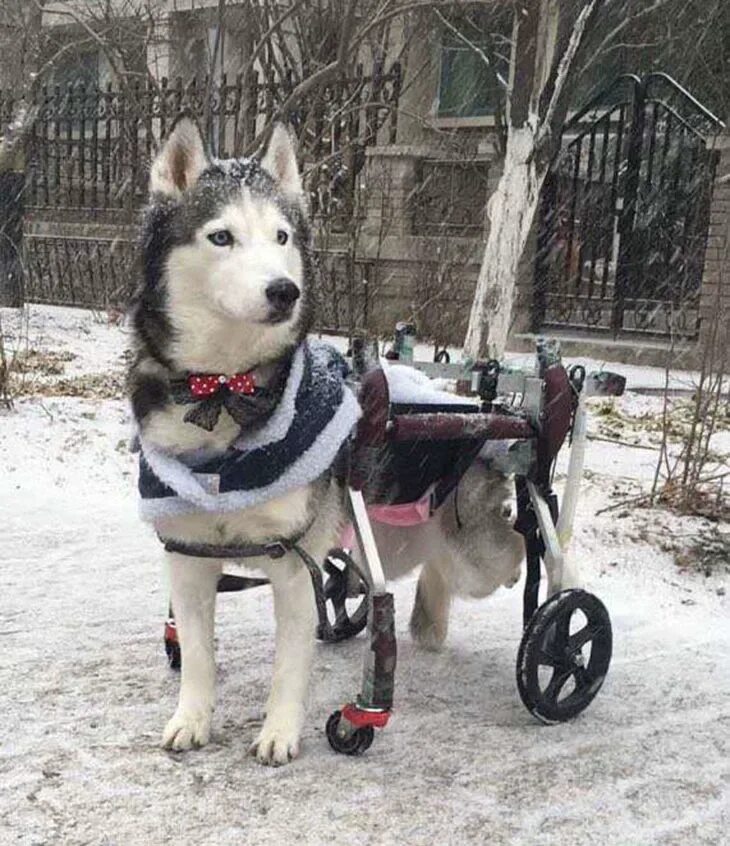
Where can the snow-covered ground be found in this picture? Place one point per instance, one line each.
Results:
(85, 690)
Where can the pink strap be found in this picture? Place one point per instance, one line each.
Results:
(406, 514)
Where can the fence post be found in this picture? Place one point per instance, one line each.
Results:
(626, 249)
(547, 225)
(12, 188)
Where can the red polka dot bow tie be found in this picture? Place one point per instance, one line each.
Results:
(206, 385)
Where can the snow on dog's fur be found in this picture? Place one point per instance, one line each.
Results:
(228, 271)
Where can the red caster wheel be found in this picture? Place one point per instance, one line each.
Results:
(353, 742)
(172, 645)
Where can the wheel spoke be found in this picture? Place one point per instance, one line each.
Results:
(546, 657)
(582, 678)
(338, 604)
(562, 628)
(579, 639)
(336, 585)
(334, 590)
(331, 568)
(552, 691)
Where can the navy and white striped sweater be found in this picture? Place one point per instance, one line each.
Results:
(296, 445)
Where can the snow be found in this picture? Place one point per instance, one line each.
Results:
(85, 691)
(408, 385)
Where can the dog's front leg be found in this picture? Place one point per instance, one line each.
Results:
(194, 584)
(278, 741)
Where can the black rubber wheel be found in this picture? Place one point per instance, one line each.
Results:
(172, 650)
(346, 598)
(559, 671)
(354, 744)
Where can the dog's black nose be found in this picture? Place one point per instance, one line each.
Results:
(282, 294)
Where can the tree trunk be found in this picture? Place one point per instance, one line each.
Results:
(511, 212)
(547, 37)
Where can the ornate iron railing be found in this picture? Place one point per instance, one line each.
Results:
(625, 213)
(90, 148)
(88, 156)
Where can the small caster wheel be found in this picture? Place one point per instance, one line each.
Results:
(564, 656)
(346, 598)
(172, 650)
(172, 645)
(354, 743)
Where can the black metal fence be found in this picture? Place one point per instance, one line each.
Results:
(91, 148)
(86, 271)
(88, 156)
(625, 213)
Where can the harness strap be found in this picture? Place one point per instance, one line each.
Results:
(275, 548)
(272, 549)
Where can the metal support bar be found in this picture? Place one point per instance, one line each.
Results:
(364, 533)
(554, 560)
(378, 678)
(378, 672)
(531, 595)
(575, 474)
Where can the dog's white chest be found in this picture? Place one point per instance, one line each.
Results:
(278, 517)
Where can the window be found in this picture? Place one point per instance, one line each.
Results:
(475, 51)
(77, 69)
(77, 77)
(450, 198)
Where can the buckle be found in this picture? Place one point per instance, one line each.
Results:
(275, 549)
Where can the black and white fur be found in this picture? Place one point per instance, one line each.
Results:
(206, 308)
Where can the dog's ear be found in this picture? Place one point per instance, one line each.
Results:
(180, 161)
(280, 160)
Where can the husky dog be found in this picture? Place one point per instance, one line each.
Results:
(228, 270)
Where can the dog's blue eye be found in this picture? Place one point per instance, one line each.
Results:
(282, 237)
(221, 238)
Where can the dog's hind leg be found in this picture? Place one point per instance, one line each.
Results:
(430, 616)
(194, 583)
(278, 741)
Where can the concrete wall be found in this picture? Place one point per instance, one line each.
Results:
(428, 279)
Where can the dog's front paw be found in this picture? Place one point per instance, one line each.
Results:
(278, 741)
(187, 729)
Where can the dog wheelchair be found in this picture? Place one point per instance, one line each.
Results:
(410, 452)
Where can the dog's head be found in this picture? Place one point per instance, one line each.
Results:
(227, 255)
